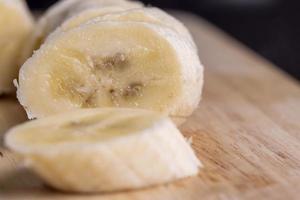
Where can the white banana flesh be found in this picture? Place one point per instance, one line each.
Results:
(148, 15)
(109, 149)
(112, 64)
(77, 19)
(65, 9)
(16, 24)
(84, 5)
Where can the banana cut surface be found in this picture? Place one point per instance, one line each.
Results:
(16, 24)
(112, 64)
(108, 149)
(143, 14)
(64, 9)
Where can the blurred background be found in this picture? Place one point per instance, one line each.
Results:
(269, 27)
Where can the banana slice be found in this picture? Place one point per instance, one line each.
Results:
(83, 5)
(65, 9)
(77, 19)
(112, 64)
(150, 15)
(94, 150)
(16, 24)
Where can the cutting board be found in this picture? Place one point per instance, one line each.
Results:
(246, 131)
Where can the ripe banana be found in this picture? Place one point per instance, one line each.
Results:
(89, 14)
(112, 64)
(108, 149)
(126, 4)
(16, 24)
(150, 15)
(63, 10)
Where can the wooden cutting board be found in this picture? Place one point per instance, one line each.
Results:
(246, 131)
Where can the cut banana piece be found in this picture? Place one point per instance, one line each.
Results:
(83, 5)
(16, 24)
(65, 9)
(89, 14)
(94, 150)
(112, 64)
(150, 15)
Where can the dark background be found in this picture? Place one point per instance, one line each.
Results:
(270, 27)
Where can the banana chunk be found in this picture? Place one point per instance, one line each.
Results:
(16, 24)
(108, 149)
(125, 4)
(112, 64)
(149, 15)
(65, 9)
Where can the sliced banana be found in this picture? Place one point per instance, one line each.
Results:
(84, 5)
(16, 24)
(94, 150)
(65, 9)
(150, 15)
(112, 64)
(89, 14)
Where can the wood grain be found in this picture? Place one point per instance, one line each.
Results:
(246, 131)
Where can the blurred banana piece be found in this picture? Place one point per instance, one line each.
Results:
(112, 64)
(109, 149)
(125, 4)
(65, 9)
(16, 24)
(148, 15)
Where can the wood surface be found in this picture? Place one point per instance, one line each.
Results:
(246, 131)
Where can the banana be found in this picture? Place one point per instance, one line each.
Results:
(112, 64)
(108, 149)
(65, 9)
(150, 15)
(16, 24)
(76, 19)
(126, 4)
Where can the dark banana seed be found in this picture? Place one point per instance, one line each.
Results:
(119, 58)
(117, 61)
(134, 89)
(90, 98)
(112, 92)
